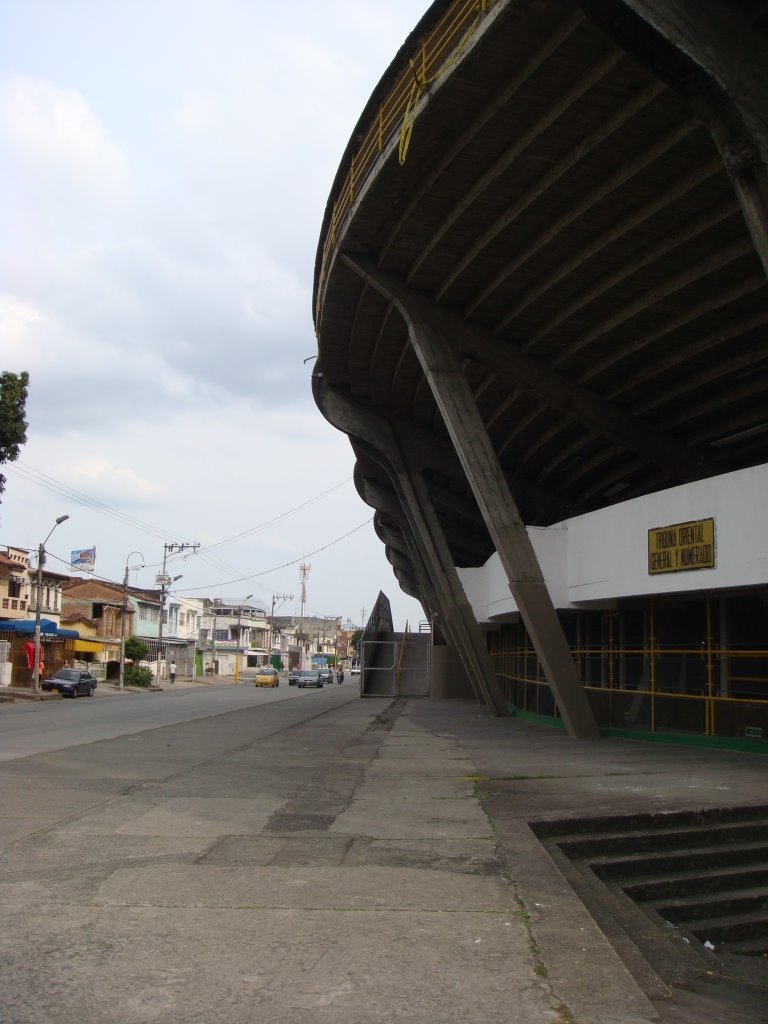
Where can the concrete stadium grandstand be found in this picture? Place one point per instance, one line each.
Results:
(542, 318)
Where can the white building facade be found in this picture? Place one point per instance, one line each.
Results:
(664, 600)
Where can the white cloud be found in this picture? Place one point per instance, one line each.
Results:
(59, 142)
(98, 474)
(196, 114)
(19, 323)
(165, 170)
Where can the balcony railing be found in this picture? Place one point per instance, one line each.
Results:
(436, 53)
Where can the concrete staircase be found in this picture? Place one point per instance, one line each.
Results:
(685, 890)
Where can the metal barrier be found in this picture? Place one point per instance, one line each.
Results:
(709, 688)
(395, 668)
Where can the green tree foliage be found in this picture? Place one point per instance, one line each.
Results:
(136, 649)
(354, 642)
(137, 676)
(13, 426)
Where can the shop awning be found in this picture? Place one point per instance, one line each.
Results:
(86, 643)
(48, 629)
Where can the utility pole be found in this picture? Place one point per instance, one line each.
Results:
(237, 649)
(214, 672)
(303, 574)
(163, 580)
(275, 597)
(123, 615)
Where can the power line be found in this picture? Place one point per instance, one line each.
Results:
(80, 498)
(242, 579)
(277, 518)
(57, 486)
(276, 568)
(50, 483)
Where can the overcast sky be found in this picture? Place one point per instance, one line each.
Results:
(164, 167)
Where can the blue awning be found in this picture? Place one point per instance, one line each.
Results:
(26, 627)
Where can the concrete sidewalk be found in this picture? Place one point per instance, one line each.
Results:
(333, 860)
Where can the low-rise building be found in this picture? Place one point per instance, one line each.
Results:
(105, 613)
(19, 610)
(308, 641)
(230, 638)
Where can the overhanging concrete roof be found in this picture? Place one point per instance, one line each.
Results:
(565, 212)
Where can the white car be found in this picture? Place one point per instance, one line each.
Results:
(355, 670)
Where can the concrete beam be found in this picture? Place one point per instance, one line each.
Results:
(442, 367)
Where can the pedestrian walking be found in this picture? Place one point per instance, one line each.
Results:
(172, 671)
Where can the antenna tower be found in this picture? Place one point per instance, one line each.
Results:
(303, 574)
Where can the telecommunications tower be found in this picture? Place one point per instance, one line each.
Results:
(303, 574)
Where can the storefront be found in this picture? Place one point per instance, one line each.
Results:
(57, 647)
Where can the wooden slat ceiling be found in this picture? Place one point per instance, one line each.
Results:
(566, 205)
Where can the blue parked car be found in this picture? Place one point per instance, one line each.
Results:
(70, 682)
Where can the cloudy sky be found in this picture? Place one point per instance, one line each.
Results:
(164, 167)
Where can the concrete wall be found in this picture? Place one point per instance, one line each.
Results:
(596, 558)
(448, 676)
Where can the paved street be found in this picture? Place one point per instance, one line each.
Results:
(318, 857)
(33, 727)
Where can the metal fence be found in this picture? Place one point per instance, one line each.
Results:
(696, 664)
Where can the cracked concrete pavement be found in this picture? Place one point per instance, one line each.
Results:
(330, 859)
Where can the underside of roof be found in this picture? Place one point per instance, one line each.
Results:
(561, 193)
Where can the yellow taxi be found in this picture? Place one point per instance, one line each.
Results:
(266, 676)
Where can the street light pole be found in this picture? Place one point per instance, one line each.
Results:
(122, 618)
(38, 603)
(237, 649)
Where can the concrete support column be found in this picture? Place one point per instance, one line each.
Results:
(446, 378)
(431, 551)
(473, 446)
(458, 618)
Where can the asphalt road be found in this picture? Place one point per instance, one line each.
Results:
(42, 726)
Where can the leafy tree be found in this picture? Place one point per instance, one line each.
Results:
(136, 649)
(13, 426)
(354, 642)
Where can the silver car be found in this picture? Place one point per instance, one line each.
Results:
(308, 677)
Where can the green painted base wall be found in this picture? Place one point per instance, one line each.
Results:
(679, 739)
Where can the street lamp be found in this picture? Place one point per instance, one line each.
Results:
(237, 651)
(124, 613)
(165, 582)
(38, 602)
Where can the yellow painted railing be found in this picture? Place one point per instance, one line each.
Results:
(720, 690)
(401, 658)
(434, 55)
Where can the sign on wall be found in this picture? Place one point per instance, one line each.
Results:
(682, 547)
